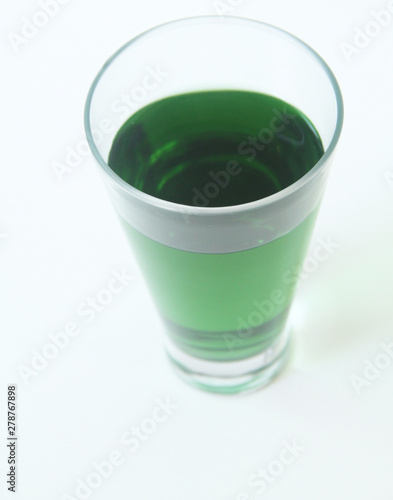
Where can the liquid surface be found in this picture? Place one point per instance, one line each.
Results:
(216, 148)
(212, 149)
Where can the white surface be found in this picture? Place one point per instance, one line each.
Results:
(62, 244)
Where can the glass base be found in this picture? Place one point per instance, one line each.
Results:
(231, 377)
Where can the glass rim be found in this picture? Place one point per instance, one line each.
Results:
(196, 210)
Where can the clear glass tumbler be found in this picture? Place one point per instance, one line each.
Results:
(218, 274)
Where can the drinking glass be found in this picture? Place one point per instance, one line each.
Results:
(219, 275)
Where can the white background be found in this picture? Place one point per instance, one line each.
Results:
(60, 242)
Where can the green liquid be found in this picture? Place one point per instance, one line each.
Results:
(214, 149)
